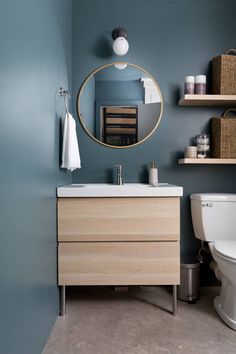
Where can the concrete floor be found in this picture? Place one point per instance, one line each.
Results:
(138, 321)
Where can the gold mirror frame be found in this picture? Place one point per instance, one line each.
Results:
(81, 117)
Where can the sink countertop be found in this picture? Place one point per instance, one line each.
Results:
(125, 190)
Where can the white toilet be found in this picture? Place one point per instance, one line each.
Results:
(214, 221)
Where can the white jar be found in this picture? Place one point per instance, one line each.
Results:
(189, 85)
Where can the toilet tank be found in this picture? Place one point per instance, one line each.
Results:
(214, 216)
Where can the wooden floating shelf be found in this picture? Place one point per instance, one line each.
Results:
(208, 100)
(209, 161)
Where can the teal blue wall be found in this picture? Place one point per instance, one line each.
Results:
(119, 90)
(34, 63)
(88, 105)
(170, 39)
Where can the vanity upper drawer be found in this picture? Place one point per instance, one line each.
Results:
(118, 219)
(119, 263)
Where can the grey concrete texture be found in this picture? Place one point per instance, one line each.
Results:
(139, 321)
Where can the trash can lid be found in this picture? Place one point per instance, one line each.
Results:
(189, 262)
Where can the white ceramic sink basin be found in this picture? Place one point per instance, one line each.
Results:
(125, 190)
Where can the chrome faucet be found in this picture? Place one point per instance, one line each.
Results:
(119, 180)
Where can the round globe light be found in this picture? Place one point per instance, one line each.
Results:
(120, 46)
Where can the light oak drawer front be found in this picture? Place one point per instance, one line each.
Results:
(119, 263)
(118, 219)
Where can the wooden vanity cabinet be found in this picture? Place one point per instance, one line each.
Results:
(119, 241)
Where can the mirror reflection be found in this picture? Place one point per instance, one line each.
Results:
(119, 105)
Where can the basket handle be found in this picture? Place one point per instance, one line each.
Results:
(224, 114)
(230, 52)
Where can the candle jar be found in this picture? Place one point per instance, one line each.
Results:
(200, 85)
(189, 85)
(190, 152)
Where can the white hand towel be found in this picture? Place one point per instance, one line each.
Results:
(70, 149)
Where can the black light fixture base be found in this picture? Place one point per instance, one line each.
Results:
(119, 32)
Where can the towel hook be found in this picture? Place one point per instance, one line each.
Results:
(66, 94)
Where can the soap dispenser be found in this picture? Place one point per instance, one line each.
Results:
(153, 174)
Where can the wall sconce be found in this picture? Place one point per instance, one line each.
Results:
(120, 44)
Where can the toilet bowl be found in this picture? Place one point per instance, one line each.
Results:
(214, 221)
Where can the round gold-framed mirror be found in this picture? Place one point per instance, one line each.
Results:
(119, 105)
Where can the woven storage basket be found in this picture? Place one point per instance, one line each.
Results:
(224, 73)
(223, 136)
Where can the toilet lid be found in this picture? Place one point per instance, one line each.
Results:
(226, 248)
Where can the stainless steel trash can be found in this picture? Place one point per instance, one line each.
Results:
(189, 288)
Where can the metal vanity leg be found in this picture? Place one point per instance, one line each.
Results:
(174, 301)
(62, 300)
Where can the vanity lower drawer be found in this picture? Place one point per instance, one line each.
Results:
(118, 219)
(119, 263)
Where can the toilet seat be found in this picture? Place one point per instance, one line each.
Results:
(226, 249)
